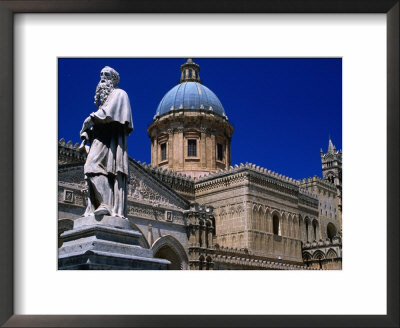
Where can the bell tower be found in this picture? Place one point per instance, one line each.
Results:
(332, 168)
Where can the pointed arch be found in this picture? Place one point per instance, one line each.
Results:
(331, 254)
(268, 224)
(315, 230)
(284, 224)
(296, 227)
(306, 256)
(168, 247)
(290, 226)
(223, 242)
(276, 223)
(307, 225)
(254, 217)
(288, 216)
(318, 255)
(331, 231)
(233, 244)
(301, 228)
(260, 216)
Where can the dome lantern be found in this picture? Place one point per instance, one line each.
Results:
(190, 72)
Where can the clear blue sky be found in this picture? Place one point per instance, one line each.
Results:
(283, 110)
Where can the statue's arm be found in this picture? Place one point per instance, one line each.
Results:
(100, 117)
(86, 125)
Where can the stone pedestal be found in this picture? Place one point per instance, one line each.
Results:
(105, 243)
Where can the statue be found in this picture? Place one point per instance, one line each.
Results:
(106, 130)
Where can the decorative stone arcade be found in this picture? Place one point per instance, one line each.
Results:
(201, 231)
(190, 132)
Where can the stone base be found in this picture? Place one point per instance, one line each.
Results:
(105, 243)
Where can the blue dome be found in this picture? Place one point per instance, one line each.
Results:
(190, 95)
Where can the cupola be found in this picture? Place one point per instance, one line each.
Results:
(190, 132)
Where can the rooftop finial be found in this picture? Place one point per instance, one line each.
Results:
(190, 71)
(331, 147)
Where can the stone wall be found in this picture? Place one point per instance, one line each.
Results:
(328, 207)
(207, 129)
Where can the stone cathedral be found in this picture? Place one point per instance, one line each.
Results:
(195, 209)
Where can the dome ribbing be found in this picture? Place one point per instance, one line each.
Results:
(190, 94)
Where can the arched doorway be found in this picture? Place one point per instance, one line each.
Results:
(168, 253)
(169, 248)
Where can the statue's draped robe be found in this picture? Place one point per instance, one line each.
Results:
(106, 168)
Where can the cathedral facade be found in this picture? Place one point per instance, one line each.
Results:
(196, 210)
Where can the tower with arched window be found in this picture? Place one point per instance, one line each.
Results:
(332, 168)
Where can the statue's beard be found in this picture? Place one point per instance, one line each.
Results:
(103, 90)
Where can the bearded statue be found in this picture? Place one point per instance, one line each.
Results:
(104, 134)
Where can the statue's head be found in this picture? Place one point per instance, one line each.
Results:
(108, 73)
(109, 79)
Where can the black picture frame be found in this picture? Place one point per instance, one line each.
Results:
(10, 7)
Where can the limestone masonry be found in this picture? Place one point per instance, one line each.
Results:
(191, 209)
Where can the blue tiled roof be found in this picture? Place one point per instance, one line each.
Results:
(190, 95)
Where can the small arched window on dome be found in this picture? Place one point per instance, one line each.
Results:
(192, 149)
(163, 152)
(220, 152)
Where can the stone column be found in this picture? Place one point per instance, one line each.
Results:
(213, 147)
(150, 234)
(309, 235)
(197, 235)
(203, 153)
(271, 227)
(314, 232)
(227, 154)
(170, 148)
(208, 149)
(154, 158)
(210, 236)
(319, 231)
(203, 236)
(181, 148)
(192, 235)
